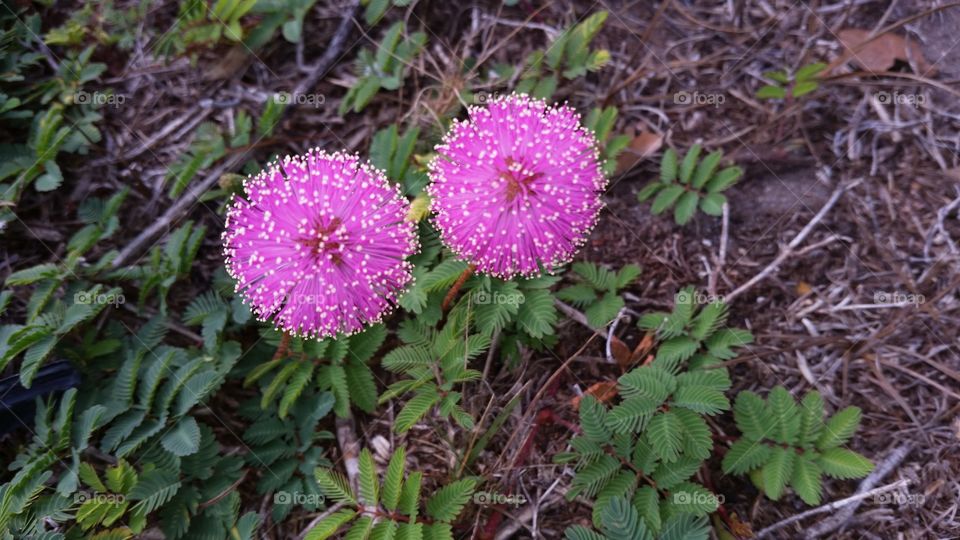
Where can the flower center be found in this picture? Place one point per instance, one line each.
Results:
(329, 240)
(518, 179)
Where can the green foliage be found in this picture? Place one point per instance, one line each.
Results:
(157, 272)
(568, 55)
(690, 184)
(433, 363)
(391, 152)
(384, 68)
(140, 414)
(789, 444)
(804, 81)
(210, 145)
(693, 333)
(621, 520)
(646, 447)
(207, 147)
(598, 292)
(288, 450)
(46, 111)
(374, 10)
(286, 15)
(140, 444)
(394, 501)
(434, 360)
(201, 24)
(601, 122)
(338, 365)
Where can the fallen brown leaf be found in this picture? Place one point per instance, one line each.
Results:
(602, 391)
(621, 353)
(640, 147)
(880, 54)
(644, 347)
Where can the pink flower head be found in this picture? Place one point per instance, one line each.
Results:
(320, 244)
(516, 187)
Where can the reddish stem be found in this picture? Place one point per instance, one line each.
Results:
(283, 348)
(457, 285)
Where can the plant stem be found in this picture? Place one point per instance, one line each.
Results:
(283, 348)
(448, 299)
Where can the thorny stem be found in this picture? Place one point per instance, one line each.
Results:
(457, 285)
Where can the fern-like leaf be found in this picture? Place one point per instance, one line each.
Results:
(701, 399)
(685, 527)
(592, 478)
(710, 318)
(403, 359)
(844, 464)
(666, 435)
(447, 503)
(593, 420)
(668, 477)
(361, 529)
(621, 485)
(334, 486)
(295, 386)
(751, 414)
(786, 416)
(806, 480)
(778, 471)
(367, 483)
(579, 532)
(330, 525)
(537, 314)
(361, 385)
(631, 415)
(811, 419)
(415, 409)
(692, 498)
(722, 343)
(154, 489)
(839, 428)
(409, 503)
(697, 440)
(393, 479)
(647, 502)
(620, 520)
(647, 381)
(745, 455)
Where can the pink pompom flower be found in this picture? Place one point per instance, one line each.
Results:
(516, 187)
(320, 244)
